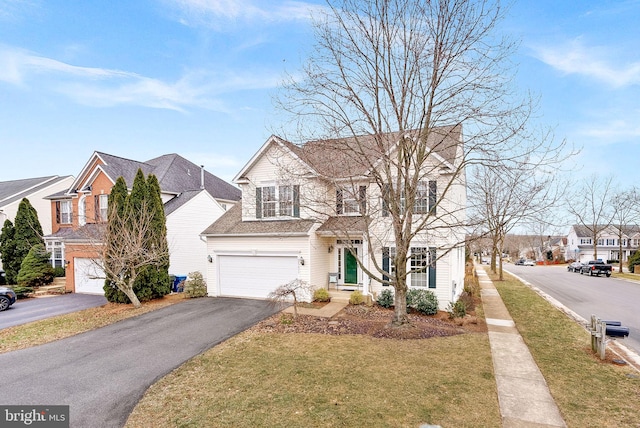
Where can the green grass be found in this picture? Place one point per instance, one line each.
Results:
(310, 380)
(589, 392)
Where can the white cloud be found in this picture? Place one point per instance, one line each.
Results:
(222, 13)
(11, 10)
(103, 87)
(590, 61)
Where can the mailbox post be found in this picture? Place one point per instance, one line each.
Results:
(601, 329)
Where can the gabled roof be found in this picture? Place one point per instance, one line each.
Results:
(175, 174)
(11, 191)
(355, 156)
(230, 223)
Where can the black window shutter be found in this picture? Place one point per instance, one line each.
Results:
(258, 202)
(96, 208)
(296, 200)
(433, 196)
(385, 264)
(432, 267)
(363, 199)
(339, 201)
(58, 212)
(385, 199)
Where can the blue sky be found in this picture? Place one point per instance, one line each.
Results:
(141, 78)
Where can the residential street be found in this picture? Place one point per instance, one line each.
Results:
(103, 373)
(607, 298)
(24, 311)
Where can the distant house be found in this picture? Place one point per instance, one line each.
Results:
(580, 243)
(311, 226)
(192, 197)
(36, 191)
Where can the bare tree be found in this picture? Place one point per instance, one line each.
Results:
(291, 290)
(592, 208)
(391, 82)
(511, 195)
(126, 250)
(625, 217)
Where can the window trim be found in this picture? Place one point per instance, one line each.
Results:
(291, 205)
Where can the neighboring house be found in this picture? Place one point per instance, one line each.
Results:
(35, 190)
(304, 226)
(580, 243)
(192, 198)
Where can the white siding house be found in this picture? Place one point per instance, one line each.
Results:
(317, 205)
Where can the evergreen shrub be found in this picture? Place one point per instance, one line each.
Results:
(195, 285)
(385, 298)
(321, 295)
(423, 301)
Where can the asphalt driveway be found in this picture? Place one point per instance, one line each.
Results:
(24, 311)
(102, 374)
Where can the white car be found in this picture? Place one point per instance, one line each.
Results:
(529, 263)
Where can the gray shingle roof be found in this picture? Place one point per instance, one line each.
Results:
(11, 191)
(230, 223)
(583, 231)
(346, 157)
(175, 175)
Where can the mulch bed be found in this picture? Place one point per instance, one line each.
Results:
(373, 321)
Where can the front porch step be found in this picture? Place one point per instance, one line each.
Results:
(340, 296)
(50, 289)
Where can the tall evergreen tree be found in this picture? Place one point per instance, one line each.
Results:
(116, 207)
(28, 231)
(10, 264)
(158, 274)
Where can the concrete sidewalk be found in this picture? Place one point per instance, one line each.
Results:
(523, 394)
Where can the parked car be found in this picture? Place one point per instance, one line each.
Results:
(520, 262)
(529, 262)
(596, 267)
(7, 298)
(574, 267)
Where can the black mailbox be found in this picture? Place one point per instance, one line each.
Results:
(617, 331)
(614, 323)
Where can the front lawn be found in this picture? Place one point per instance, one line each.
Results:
(260, 379)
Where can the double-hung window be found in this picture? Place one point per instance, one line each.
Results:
(423, 267)
(426, 198)
(101, 203)
(277, 201)
(64, 212)
(351, 201)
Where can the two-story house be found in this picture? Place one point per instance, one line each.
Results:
(315, 213)
(580, 243)
(192, 198)
(35, 190)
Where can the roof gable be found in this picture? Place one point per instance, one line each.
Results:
(11, 191)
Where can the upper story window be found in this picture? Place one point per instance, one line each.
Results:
(426, 198)
(601, 241)
(611, 242)
(586, 241)
(64, 212)
(350, 201)
(101, 204)
(278, 201)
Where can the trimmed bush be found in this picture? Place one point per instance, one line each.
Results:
(634, 260)
(385, 298)
(22, 292)
(356, 298)
(195, 286)
(321, 295)
(423, 301)
(59, 272)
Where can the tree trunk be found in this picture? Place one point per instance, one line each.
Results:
(128, 290)
(400, 317)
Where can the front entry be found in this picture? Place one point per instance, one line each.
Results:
(348, 270)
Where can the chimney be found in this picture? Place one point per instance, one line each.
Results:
(201, 177)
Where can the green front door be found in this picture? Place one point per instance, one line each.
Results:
(350, 267)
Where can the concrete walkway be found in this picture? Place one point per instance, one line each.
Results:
(327, 311)
(523, 394)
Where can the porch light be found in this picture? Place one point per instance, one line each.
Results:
(209, 258)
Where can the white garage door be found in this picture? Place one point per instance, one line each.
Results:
(255, 276)
(89, 277)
